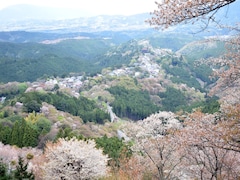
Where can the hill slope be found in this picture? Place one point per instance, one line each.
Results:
(29, 61)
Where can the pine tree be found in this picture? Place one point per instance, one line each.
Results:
(18, 133)
(30, 137)
(15, 134)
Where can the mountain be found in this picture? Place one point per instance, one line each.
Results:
(49, 45)
(29, 17)
(83, 24)
(34, 18)
(116, 37)
(24, 12)
(95, 78)
(29, 61)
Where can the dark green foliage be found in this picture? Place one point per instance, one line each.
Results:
(115, 60)
(81, 106)
(181, 74)
(29, 61)
(3, 171)
(190, 81)
(132, 104)
(30, 137)
(186, 71)
(117, 56)
(203, 72)
(21, 172)
(5, 134)
(23, 134)
(29, 97)
(18, 133)
(172, 99)
(32, 106)
(210, 105)
(114, 148)
(5, 114)
(65, 132)
(43, 125)
(56, 87)
(13, 118)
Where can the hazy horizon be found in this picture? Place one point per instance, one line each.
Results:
(91, 7)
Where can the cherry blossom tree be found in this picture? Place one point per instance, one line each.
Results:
(227, 72)
(206, 146)
(74, 159)
(227, 88)
(172, 12)
(203, 139)
(136, 167)
(229, 127)
(155, 138)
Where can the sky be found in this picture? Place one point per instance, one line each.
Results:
(94, 7)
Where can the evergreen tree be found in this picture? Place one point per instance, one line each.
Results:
(30, 137)
(21, 170)
(3, 171)
(131, 103)
(5, 134)
(32, 106)
(18, 133)
(173, 99)
(115, 148)
(15, 138)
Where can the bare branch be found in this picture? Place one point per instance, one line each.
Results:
(172, 12)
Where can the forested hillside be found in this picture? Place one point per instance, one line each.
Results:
(30, 61)
(134, 72)
(121, 104)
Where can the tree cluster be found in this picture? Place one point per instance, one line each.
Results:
(172, 99)
(115, 148)
(203, 147)
(19, 62)
(132, 104)
(12, 89)
(83, 107)
(24, 132)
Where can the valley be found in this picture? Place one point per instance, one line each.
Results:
(129, 91)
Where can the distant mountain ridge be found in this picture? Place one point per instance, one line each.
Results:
(25, 17)
(34, 18)
(83, 24)
(23, 12)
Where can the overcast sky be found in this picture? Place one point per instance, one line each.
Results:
(95, 7)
